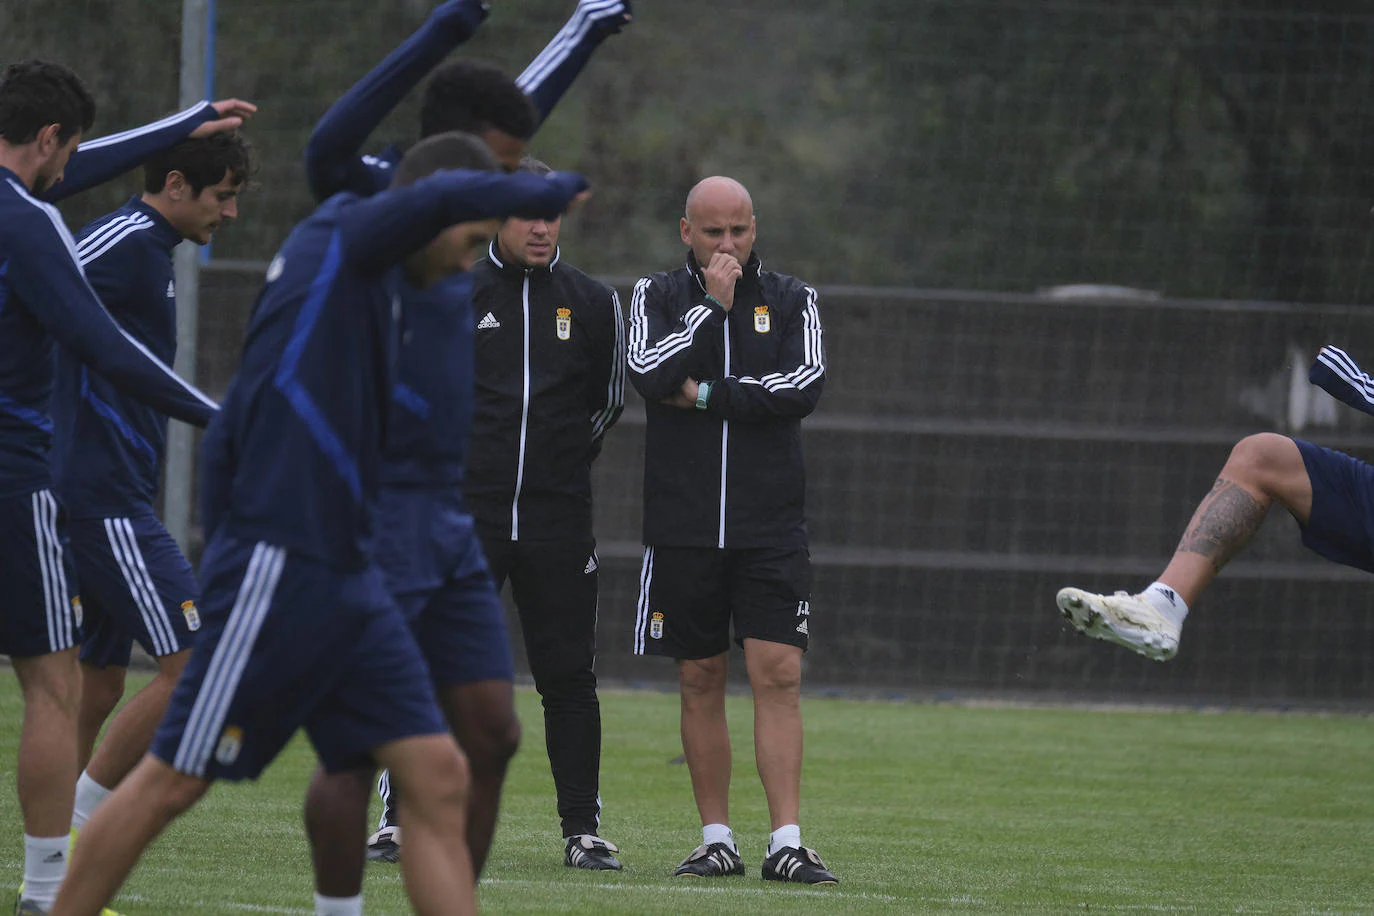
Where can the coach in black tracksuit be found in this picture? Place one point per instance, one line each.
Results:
(728, 357)
(549, 383)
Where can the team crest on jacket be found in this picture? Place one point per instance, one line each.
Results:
(761, 322)
(563, 321)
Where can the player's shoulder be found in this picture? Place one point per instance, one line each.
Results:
(21, 213)
(664, 282)
(580, 282)
(121, 235)
(785, 287)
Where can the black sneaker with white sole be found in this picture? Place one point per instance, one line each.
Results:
(591, 852)
(385, 845)
(798, 865)
(710, 861)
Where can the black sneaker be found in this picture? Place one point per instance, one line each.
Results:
(592, 852)
(801, 866)
(711, 861)
(385, 845)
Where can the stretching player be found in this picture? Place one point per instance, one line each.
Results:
(107, 454)
(477, 692)
(298, 630)
(1327, 492)
(44, 109)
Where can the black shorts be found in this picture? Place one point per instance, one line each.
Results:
(689, 595)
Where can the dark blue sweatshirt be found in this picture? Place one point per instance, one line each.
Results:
(294, 458)
(45, 300)
(108, 447)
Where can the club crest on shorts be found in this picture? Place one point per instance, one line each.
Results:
(188, 610)
(563, 322)
(77, 613)
(230, 743)
(761, 322)
(656, 625)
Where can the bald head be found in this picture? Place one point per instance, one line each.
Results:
(719, 219)
(718, 191)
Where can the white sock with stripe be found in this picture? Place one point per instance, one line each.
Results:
(45, 865)
(718, 833)
(338, 906)
(1167, 601)
(89, 795)
(784, 836)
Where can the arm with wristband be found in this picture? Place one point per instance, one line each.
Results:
(661, 348)
(790, 392)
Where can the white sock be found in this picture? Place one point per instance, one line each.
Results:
(784, 836)
(45, 865)
(1167, 601)
(338, 906)
(718, 833)
(89, 795)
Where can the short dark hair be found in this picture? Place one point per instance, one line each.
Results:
(472, 96)
(534, 166)
(36, 93)
(452, 150)
(203, 161)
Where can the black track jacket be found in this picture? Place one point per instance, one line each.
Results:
(730, 475)
(550, 381)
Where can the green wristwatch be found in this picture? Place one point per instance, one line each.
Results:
(703, 393)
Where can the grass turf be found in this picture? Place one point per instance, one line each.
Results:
(918, 808)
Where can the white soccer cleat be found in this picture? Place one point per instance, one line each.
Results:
(1127, 620)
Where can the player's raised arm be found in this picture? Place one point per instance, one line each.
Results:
(46, 277)
(550, 74)
(793, 390)
(382, 231)
(332, 161)
(98, 161)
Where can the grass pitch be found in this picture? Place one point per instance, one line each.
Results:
(918, 808)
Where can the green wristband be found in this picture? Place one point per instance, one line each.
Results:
(720, 305)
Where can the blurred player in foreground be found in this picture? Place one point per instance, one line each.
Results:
(729, 359)
(298, 630)
(431, 557)
(44, 110)
(1328, 493)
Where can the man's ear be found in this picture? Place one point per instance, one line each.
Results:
(49, 139)
(176, 186)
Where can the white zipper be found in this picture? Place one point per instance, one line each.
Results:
(724, 438)
(524, 418)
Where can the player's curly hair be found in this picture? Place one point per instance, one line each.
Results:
(472, 97)
(36, 93)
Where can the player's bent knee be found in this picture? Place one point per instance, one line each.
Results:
(1268, 462)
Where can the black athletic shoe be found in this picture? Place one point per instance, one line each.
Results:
(711, 861)
(591, 852)
(385, 845)
(801, 866)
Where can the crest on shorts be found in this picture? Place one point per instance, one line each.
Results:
(761, 322)
(656, 625)
(230, 743)
(188, 610)
(563, 322)
(77, 613)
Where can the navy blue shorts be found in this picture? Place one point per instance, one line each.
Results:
(435, 569)
(135, 585)
(1341, 526)
(39, 612)
(289, 643)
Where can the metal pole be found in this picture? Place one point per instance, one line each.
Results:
(177, 492)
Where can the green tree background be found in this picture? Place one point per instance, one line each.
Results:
(1205, 149)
